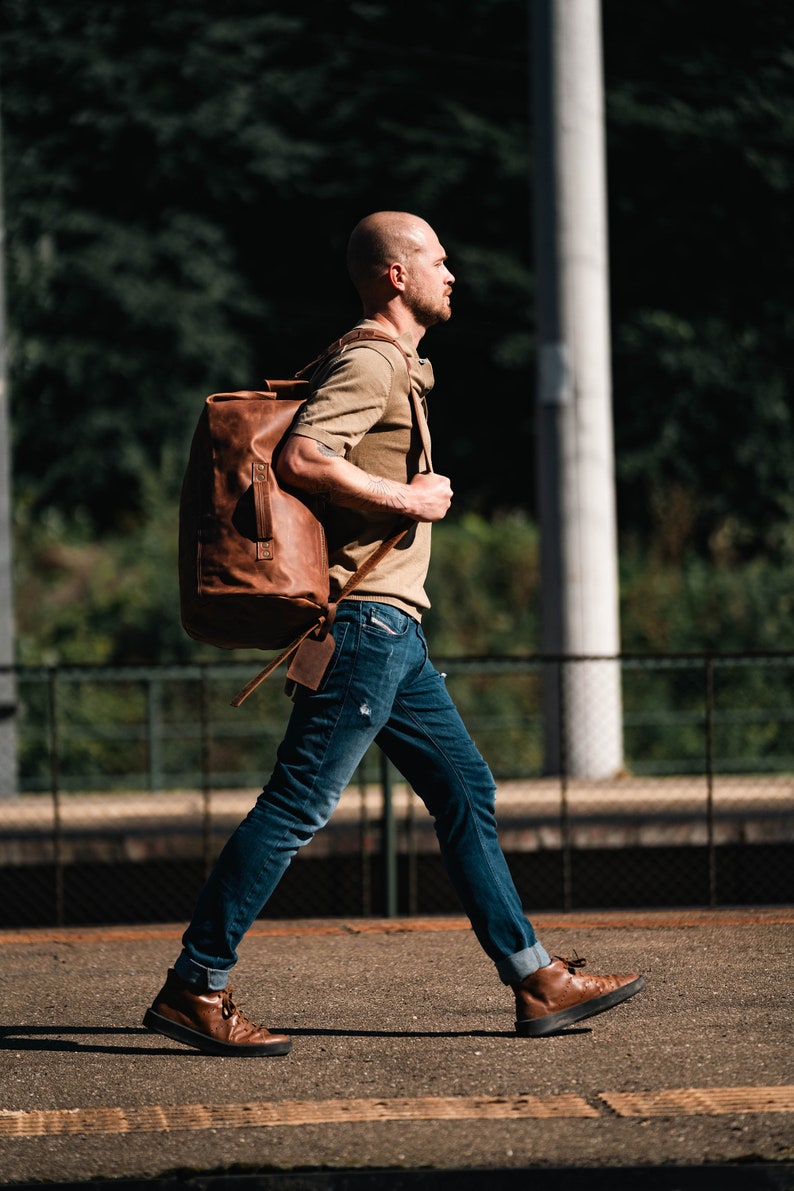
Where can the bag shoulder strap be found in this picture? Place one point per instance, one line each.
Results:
(360, 335)
(357, 335)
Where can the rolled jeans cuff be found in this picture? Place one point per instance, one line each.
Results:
(201, 978)
(515, 968)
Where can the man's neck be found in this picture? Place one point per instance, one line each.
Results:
(397, 321)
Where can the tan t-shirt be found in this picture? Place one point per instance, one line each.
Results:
(361, 408)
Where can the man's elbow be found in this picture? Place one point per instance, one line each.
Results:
(292, 465)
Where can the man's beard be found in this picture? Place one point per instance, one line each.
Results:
(426, 312)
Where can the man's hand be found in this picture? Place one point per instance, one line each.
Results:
(429, 497)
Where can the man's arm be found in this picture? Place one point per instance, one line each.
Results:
(311, 466)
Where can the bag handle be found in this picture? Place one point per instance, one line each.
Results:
(317, 641)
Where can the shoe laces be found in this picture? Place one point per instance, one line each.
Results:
(572, 963)
(228, 1007)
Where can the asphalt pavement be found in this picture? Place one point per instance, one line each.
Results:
(405, 1070)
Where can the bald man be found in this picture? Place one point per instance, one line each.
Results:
(357, 442)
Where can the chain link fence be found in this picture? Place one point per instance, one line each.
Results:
(126, 782)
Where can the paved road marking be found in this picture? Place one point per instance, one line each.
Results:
(700, 1102)
(153, 1118)
(156, 1119)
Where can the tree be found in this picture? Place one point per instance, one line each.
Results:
(181, 180)
(181, 185)
(701, 128)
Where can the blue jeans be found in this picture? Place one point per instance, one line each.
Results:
(380, 686)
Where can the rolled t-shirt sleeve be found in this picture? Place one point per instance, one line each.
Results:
(349, 397)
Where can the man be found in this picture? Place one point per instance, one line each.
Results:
(357, 442)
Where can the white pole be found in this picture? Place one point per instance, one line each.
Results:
(574, 414)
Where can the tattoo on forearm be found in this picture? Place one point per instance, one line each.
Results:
(385, 493)
(381, 493)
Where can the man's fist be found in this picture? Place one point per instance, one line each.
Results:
(430, 496)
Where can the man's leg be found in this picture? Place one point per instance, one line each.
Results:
(328, 733)
(326, 738)
(427, 741)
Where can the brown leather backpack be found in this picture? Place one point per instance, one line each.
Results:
(253, 565)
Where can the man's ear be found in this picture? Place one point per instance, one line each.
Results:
(398, 276)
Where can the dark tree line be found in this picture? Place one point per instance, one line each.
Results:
(180, 182)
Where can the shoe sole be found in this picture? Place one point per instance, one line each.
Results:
(552, 1023)
(210, 1046)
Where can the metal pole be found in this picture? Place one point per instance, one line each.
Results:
(365, 841)
(579, 588)
(206, 772)
(565, 812)
(55, 794)
(154, 724)
(389, 838)
(711, 847)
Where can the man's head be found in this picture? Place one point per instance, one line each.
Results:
(391, 255)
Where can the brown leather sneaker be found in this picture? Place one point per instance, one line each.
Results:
(210, 1021)
(555, 996)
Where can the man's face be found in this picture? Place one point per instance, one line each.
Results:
(427, 293)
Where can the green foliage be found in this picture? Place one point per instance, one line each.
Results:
(180, 182)
(700, 120)
(82, 600)
(483, 586)
(720, 604)
(114, 601)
